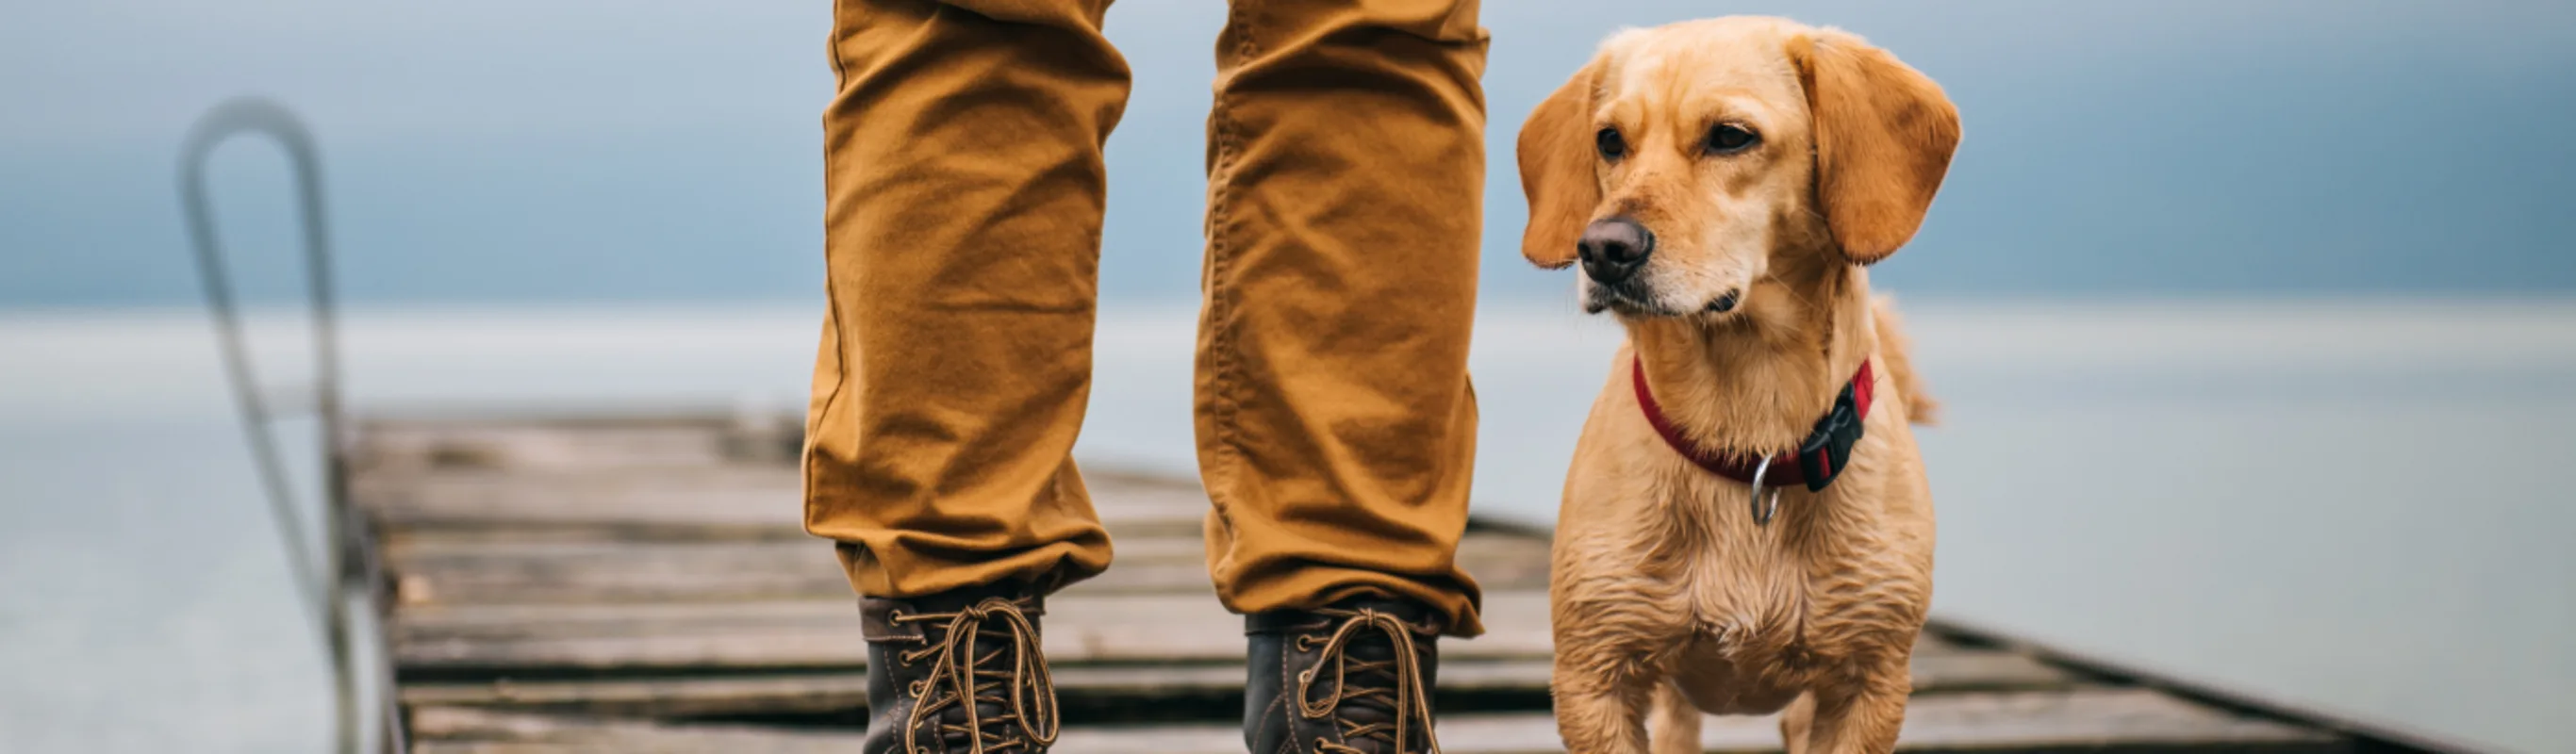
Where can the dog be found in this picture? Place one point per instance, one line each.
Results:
(1725, 185)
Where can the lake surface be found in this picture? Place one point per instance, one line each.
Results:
(2355, 505)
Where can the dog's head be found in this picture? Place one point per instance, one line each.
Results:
(1685, 159)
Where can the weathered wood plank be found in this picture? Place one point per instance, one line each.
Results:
(715, 502)
(599, 444)
(1935, 672)
(2126, 720)
(438, 730)
(507, 571)
(716, 495)
(1173, 627)
(831, 692)
(1080, 627)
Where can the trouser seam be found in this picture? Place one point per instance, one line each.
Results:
(1223, 402)
(832, 302)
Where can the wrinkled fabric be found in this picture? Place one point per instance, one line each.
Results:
(964, 194)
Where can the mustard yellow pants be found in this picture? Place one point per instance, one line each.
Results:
(965, 187)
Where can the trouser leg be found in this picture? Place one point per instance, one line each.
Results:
(1335, 423)
(964, 191)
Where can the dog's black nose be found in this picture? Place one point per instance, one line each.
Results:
(1613, 249)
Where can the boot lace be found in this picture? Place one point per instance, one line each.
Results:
(962, 677)
(1394, 686)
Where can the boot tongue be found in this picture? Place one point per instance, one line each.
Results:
(1369, 698)
(1368, 671)
(994, 675)
(991, 679)
(993, 671)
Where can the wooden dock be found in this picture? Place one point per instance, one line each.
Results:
(643, 585)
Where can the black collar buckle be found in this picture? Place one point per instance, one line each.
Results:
(1828, 448)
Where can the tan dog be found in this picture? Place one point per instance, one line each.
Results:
(1725, 182)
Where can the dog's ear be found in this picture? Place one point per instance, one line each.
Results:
(1556, 156)
(1884, 133)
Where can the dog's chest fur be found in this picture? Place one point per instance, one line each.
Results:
(1770, 607)
(1742, 615)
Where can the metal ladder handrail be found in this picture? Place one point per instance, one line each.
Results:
(324, 587)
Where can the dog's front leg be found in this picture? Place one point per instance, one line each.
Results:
(1796, 722)
(1601, 700)
(1675, 723)
(1865, 722)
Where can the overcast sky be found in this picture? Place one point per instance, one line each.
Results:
(583, 150)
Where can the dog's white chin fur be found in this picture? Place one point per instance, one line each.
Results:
(1661, 302)
(1597, 300)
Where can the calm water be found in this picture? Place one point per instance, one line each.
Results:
(2353, 505)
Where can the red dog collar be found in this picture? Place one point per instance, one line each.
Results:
(1815, 463)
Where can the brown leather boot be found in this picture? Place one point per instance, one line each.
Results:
(1353, 678)
(960, 671)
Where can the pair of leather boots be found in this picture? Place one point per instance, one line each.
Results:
(964, 671)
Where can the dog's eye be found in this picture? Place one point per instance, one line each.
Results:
(1728, 138)
(1612, 147)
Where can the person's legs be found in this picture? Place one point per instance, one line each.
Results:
(964, 190)
(1336, 425)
